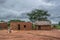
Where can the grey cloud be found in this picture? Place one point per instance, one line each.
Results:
(16, 9)
(2, 1)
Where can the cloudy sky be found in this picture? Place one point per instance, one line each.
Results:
(17, 9)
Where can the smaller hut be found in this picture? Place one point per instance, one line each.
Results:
(43, 25)
(3, 25)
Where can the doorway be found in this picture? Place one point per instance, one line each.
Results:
(39, 27)
(18, 26)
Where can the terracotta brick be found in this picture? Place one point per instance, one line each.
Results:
(20, 26)
(3, 25)
(43, 27)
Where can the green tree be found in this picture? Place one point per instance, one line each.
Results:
(38, 14)
(59, 23)
(14, 21)
(2, 21)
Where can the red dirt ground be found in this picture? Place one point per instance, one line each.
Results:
(30, 35)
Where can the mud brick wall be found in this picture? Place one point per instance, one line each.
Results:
(3, 26)
(14, 25)
(43, 27)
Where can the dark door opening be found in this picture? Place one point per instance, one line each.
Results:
(18, 26)
(39, 27)
(24, 26)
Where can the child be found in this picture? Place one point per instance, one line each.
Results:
(9, 30)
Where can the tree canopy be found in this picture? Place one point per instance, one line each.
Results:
(59, 23)
(38, 14)
(2, 21)
(14, 21)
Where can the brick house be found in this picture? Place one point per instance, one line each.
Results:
(3, 25)
(21, 26)
(43, 25)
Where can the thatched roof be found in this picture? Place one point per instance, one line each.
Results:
(42, 23)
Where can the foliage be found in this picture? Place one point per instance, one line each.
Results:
(33, 26)
(2, 21)
(59, 23)
(58, 26)
(38, 14)
(14, 21)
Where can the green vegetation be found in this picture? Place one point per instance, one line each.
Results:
(57, 26)
(2, 21)
(14, 21)
(33, 26)
(59, 23)
(38, 14)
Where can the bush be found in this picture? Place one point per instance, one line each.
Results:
(33, 27)
(57, 26)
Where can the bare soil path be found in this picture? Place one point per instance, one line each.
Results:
(30, 35)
